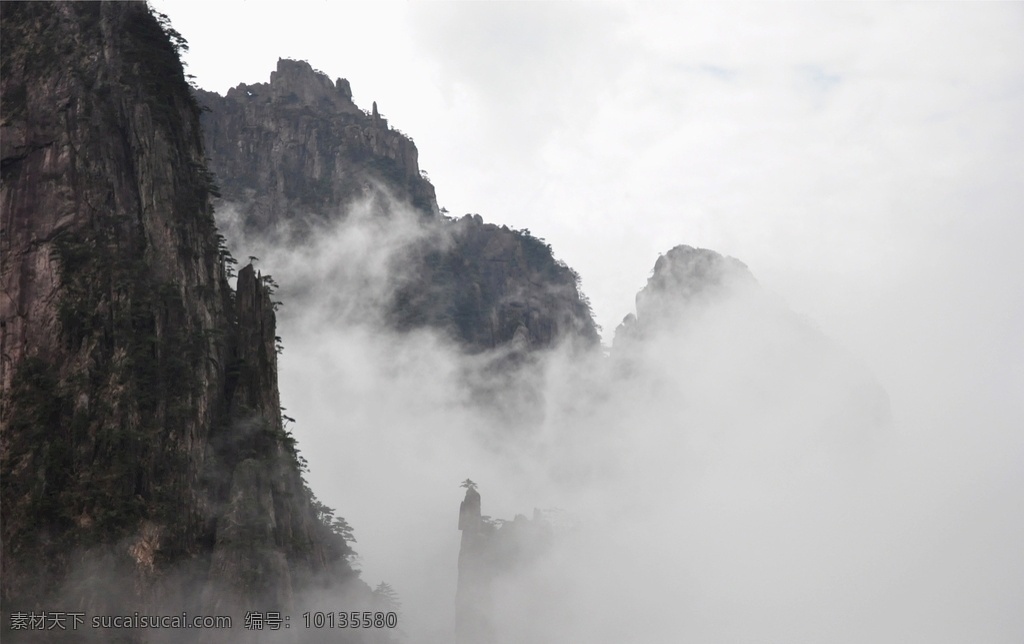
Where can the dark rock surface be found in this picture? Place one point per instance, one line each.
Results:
(291, 154)
(144, 462)
(297, 150)
(494, 287)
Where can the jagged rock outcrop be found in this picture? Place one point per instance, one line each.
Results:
(297, 149)
(490, 549)
(471, 596)
(268, 539)
(143, 458)
(291, 154)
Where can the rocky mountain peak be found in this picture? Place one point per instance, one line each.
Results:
(293, 154)
(294, 151)
(296, 84)
(683, 276)
(687, 272)
(698, 304)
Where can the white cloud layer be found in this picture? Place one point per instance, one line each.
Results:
(862, 159)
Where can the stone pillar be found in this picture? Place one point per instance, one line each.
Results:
(471, 596)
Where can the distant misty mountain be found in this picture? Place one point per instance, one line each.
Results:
(297, 161)
(705, 314)
(684, 279)
(295, 155)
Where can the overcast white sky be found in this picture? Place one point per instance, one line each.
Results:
(832, 147)
(864, 160)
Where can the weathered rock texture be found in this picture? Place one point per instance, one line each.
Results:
(297, 150)
(143, 457)
(291, 154)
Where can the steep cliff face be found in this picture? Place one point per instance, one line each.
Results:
(269, 539)
(293, 153)
(142, 452)
(297, 150)
(113, 293)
